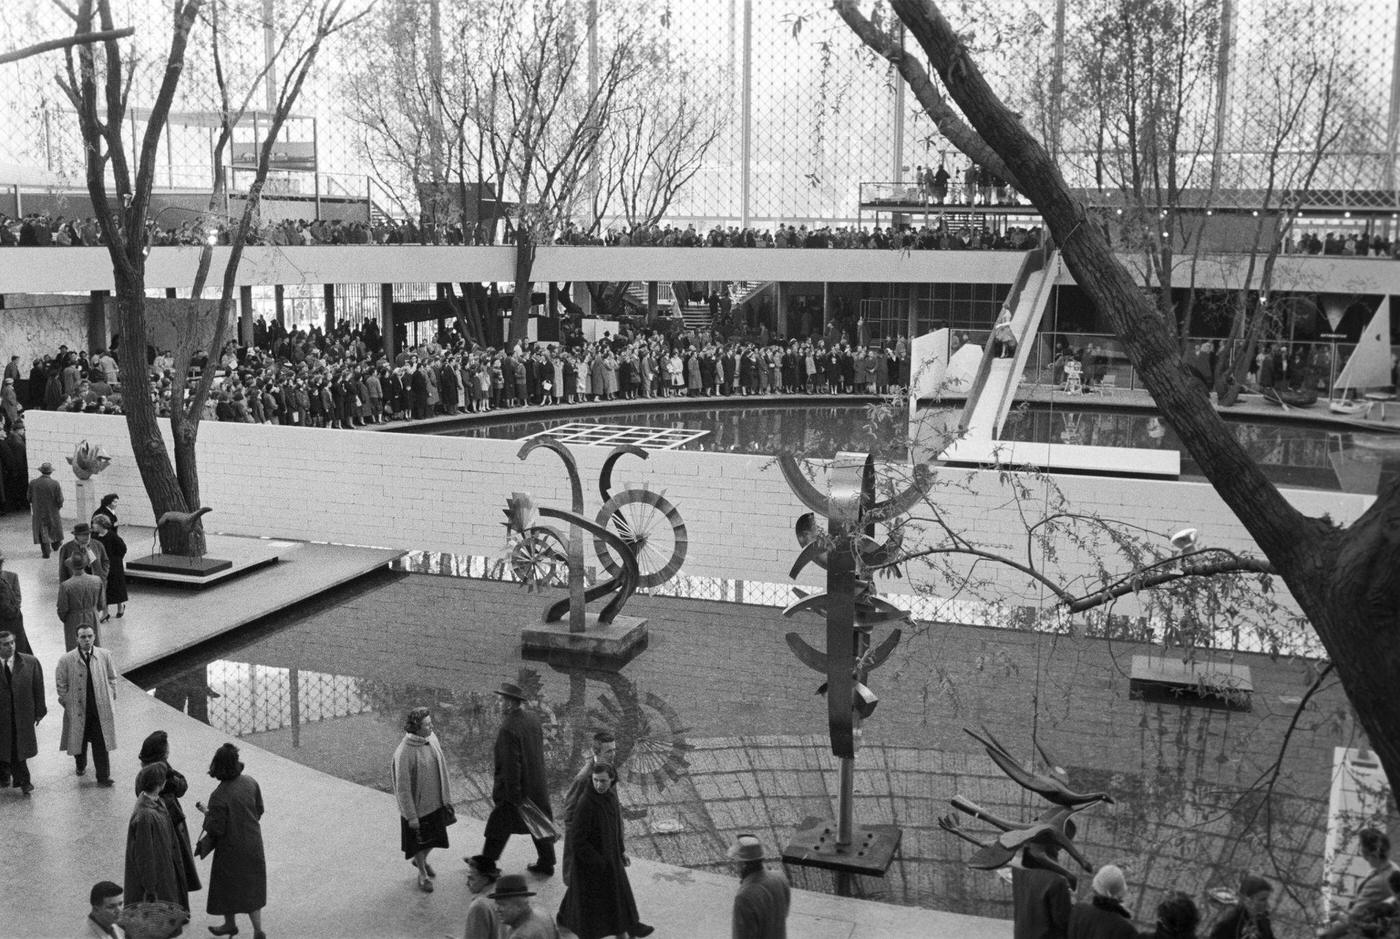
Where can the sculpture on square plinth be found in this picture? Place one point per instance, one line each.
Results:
(87, 461)
(851, 554)
(1029, 845)
(638, 537)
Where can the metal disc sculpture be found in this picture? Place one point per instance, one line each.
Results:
(850, 553)
(638, 536)
(1026, 845)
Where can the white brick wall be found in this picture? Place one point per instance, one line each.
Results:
(447, 493)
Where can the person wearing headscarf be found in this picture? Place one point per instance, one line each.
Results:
(153, 867)
(155, 749)
(419, 775)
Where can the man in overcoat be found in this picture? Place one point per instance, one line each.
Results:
(87, 690)
(94, 555)
(519, 759)
(22, 707)
(11, 607)
(45, 499)
(80, 600)
(761, 905)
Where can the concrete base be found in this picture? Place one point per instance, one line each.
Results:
(237, 556)
(870, 852)
(176, 566)
(613, 644)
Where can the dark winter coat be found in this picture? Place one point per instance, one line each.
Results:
(1101, 918)
(238, 878)
(599, 899)
(23, 697)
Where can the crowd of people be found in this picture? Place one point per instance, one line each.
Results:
(1044, 906)
(343, 379)
(39, 229)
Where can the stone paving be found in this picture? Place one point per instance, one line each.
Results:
(334, 868)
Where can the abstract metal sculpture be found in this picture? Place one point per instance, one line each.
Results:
(1026, 845)
(88, 460)
(850, 554)
(638, 536)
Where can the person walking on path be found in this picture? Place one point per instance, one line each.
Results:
(94, 560)
(604, 751)
(87, 690)
(761, 905)
(105, 535)
(512, 896)
(22, 707)
(156, 749)
(599, 900)
(232, 831)
(483, 922)
(79, 602)
(12, 607)
(519, 775)
(419, 775)
(45, 499)
(153, 868)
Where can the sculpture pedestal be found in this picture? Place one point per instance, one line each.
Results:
(83, 490)
(616, 643)
(870, 852)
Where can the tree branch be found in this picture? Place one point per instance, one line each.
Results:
(66, 42)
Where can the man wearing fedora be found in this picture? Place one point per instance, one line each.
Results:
(512, 896)
(93, 553)
(761, 905)
(45, 499)
(519, 759)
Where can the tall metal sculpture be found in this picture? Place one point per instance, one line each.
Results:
(1030, 845)
(850, 553)
(638, 536)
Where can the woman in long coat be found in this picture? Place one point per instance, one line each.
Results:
(599, 899)
(116, 567)
(419, 775)
(238, 877)
(153, 868)
(155, 749)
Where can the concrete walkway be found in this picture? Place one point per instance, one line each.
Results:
(334, 868)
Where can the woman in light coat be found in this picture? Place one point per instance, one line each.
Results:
(419, 774)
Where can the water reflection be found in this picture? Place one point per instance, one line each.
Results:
(1290, 454)
(818, 431)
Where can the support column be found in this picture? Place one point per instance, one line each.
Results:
(746, 115)
(1057, 80)
(386, 321)
(279, 302)
(780, 311)
(897, 138)
(245, 315)
(826, 306)
(170, 293)
(1393, 126)
(330, 308)
(97, 337)
(652, 302)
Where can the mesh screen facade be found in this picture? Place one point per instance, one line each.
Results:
(807, 114)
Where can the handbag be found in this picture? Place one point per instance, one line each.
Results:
(540, 825)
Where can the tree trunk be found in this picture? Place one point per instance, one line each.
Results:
(520, 301)
(142, 423)
(185, 433)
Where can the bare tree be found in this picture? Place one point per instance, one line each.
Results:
(99, 87)
(1343, 579)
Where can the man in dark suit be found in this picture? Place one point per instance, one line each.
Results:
(45, 499)
(21, 709)
(519, 758)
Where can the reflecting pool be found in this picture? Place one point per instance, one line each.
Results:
(1290, 453)
(721, 730)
